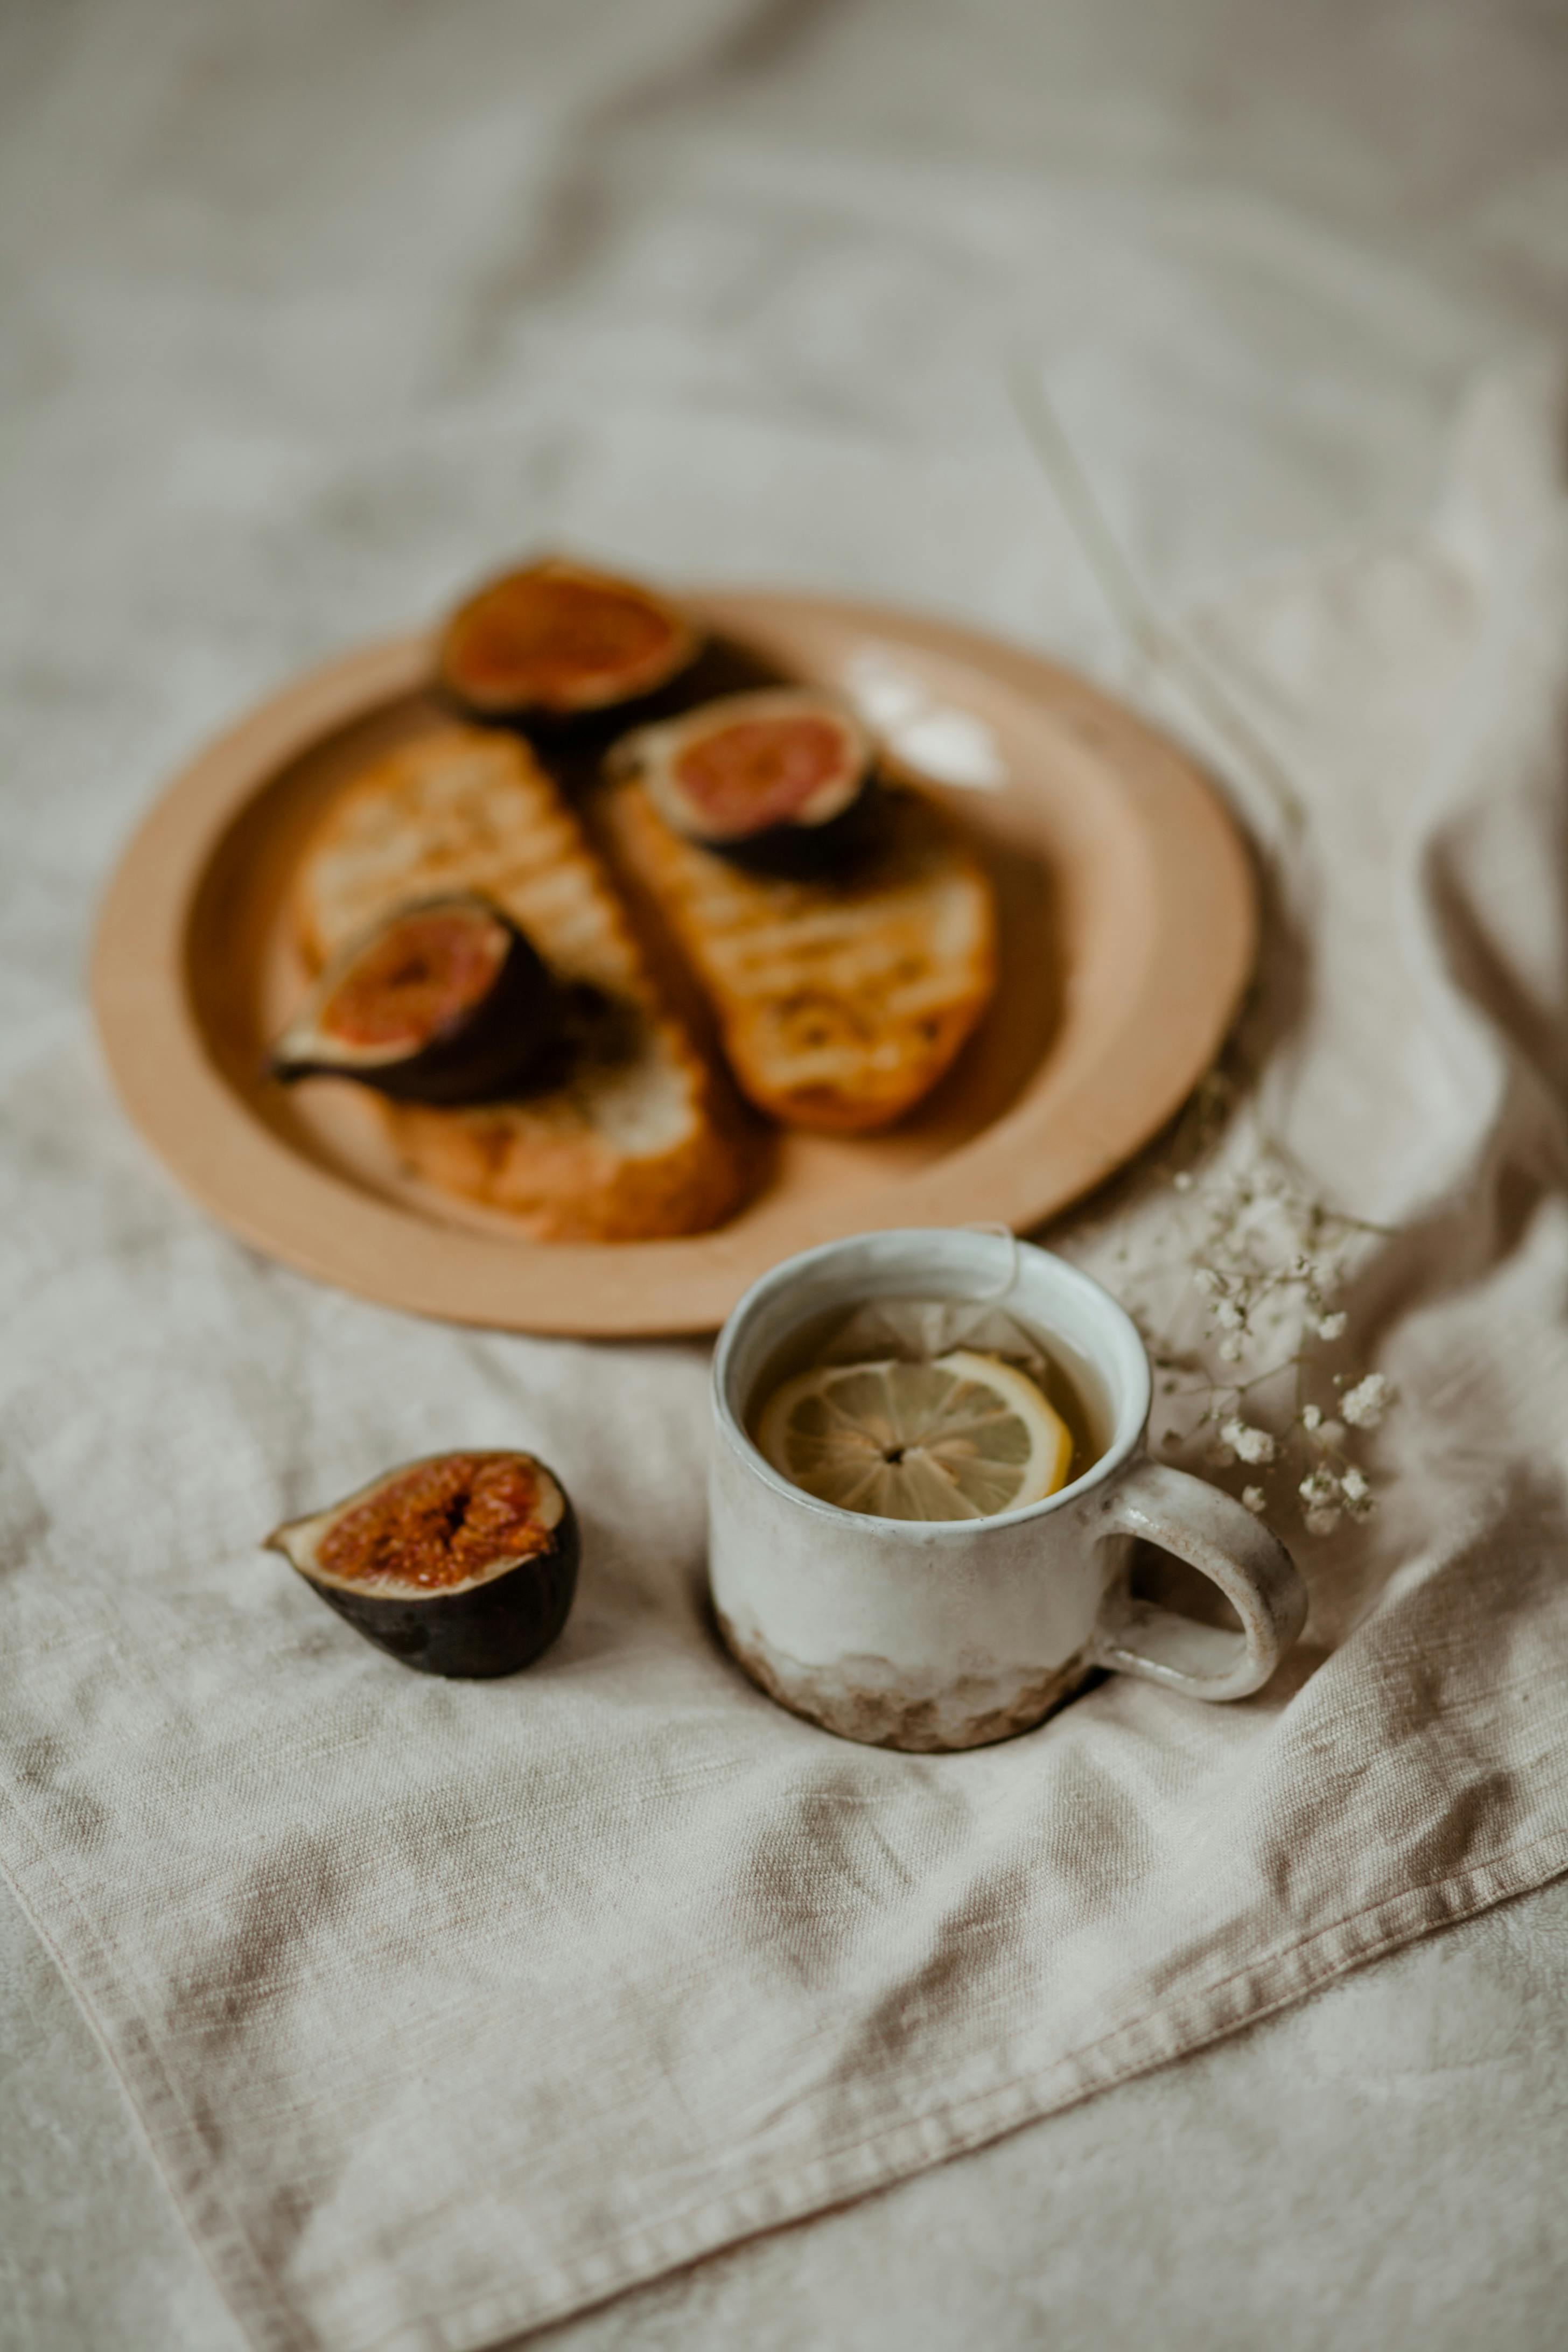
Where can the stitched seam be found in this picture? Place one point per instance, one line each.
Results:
(780, 2185)
(270, 2298)
(262, 2285)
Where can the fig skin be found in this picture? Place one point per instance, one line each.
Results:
(486, 1055)
(476, 1632)
(475, 634)
(838, 821)
(811, 853)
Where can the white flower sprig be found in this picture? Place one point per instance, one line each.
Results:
(1269, 1261)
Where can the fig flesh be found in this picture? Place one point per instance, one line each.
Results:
(780, 780)
(556, 641)
(459, 1564)
(445, 1001)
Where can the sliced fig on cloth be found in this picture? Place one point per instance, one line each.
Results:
(444, 1001)
(778, 779)
(556, 641)
(460, 1564)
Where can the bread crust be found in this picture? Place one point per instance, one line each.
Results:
(634, 1143)
(840, 1002)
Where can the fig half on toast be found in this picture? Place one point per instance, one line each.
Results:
(555, 641)
(460, 1564)
(780, 780)
(442, 1001)
(634, 1143)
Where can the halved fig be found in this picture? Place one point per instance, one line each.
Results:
(777, 780)
(445, 1001)
(460, 1564)
(556, 641)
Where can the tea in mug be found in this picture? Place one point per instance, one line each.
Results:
(927, 1409)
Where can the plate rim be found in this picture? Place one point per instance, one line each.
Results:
(293, 1209)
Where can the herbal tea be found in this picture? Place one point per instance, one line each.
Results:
(927, 1409)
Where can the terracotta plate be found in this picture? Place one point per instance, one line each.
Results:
(1129, 925)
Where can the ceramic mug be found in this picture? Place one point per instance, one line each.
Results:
(950, 1634)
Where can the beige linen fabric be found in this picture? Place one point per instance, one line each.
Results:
(449, 2009)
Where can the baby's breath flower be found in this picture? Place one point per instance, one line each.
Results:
(1250, 1445)
(1364, 1406)
(1322, 1496)
(1269, 1261)
(1357, 1492)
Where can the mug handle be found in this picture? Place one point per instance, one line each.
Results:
(1217, 1536)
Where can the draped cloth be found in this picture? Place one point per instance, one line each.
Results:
(449, 2010)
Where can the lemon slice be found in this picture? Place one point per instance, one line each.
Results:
(961, 1438)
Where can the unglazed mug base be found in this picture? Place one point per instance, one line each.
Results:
(947, 1635)
(868, 1699)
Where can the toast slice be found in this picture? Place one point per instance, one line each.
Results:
(632, 1142)
(840, 1002)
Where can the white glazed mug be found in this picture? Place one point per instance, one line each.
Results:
(950, 1634)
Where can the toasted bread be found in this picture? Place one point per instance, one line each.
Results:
(632, 1141)
(841, 1003)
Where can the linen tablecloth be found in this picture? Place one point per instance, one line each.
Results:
(750, 1973)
